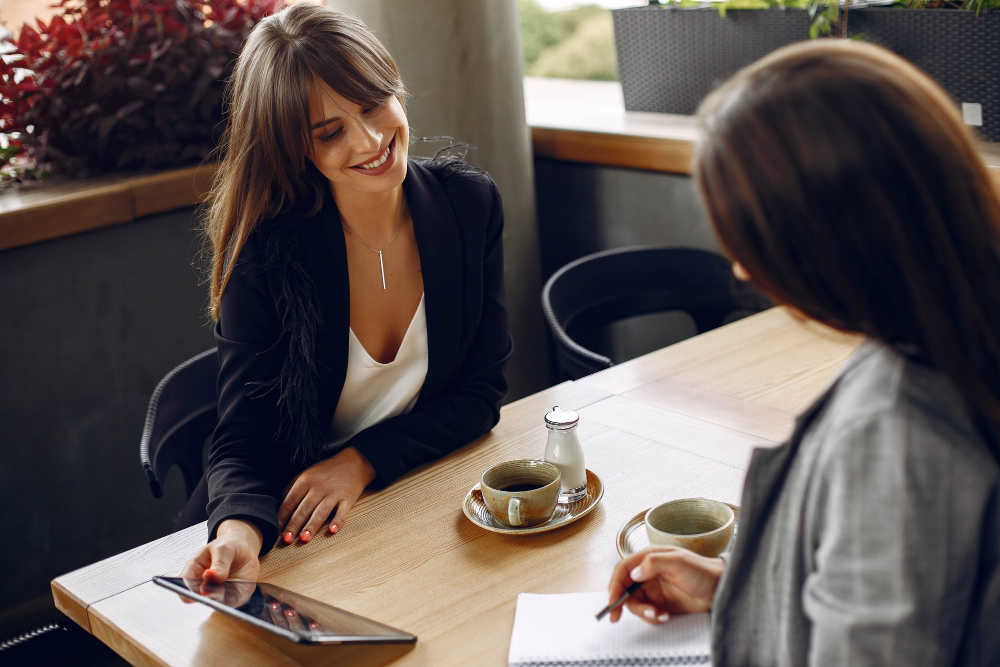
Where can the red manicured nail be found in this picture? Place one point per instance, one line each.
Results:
(289, 613)
(288, 537)
(275, 605)
(305, 536)
(333, 528)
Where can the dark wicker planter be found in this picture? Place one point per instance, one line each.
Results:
(669, 59)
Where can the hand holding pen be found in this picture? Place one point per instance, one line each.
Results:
(664, 581)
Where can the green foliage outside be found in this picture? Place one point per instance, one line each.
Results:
(826, 13)
(572, 44)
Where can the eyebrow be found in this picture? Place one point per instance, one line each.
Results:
(325, 122)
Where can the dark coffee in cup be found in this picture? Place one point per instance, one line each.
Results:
(521, 493)
(521, 487)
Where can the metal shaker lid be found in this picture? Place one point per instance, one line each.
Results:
(561, 419)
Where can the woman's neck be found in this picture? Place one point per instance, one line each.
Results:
(374, 216)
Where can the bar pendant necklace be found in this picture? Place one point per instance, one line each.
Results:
(381, 264)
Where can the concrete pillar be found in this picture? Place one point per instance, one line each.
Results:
(461, 60)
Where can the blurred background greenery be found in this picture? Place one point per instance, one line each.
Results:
(577, 43)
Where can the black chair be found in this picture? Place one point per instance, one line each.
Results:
(613, 285)
(182, 413)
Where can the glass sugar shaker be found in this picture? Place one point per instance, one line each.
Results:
(564, 450)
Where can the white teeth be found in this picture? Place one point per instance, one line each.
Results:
(379, 162)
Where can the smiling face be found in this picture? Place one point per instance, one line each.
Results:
(358, 148)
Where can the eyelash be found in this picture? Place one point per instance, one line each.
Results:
(333, 135)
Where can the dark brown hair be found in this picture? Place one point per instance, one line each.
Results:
(264, 170)
(844, 181)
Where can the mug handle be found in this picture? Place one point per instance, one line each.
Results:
(514, 512)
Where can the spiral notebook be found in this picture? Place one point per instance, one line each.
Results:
(560, 630)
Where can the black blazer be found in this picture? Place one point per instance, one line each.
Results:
(283, 344)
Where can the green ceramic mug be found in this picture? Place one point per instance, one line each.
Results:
(521, 493)
(697, 524)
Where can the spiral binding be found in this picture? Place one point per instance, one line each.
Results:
(621, 662)
(20, 639)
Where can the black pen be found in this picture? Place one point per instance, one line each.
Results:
(620, 601)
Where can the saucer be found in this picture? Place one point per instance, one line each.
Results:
(632, 536)
(475, 508)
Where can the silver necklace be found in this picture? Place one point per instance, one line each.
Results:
(380, 262)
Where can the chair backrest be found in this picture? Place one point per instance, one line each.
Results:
(625, 282)
(182, 413)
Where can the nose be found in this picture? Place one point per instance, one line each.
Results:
(369, 139)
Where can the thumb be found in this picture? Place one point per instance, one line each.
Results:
(652, 566)
(222, 559)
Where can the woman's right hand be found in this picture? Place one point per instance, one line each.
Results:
(677, 581)
(231, 555)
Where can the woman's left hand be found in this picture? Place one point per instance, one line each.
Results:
(333, 484)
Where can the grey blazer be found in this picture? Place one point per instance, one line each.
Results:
(872, 537)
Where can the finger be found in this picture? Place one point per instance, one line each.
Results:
(343, 509)
(318, 518)
(197, 565)
(215, 591)
(296, 525)
(620, 579)
(222, 559)
(291, 502)
(294, 621)
(277, 614)
(656, 563)
(647, 612)
(639, 597)
(193, 572)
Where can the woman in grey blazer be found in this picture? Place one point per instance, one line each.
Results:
(843, 183)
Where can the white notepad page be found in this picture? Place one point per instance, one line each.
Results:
(562, 630)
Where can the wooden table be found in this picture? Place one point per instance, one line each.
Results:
(676, 423)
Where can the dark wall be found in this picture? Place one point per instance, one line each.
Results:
(586, 208)
(88, 326)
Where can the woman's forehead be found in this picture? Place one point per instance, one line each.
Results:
(326, 104)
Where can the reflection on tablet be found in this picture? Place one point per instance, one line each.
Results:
(285, 613)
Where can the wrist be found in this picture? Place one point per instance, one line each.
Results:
(366, 473)
(243, 530)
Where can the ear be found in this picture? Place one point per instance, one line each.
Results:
(740, 272)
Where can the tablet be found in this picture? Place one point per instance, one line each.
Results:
(286, 614)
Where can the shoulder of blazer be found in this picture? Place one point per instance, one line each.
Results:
(469, 188)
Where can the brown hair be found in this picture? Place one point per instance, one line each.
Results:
(844, 181)
(263, 170)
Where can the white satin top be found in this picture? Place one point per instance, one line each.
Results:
(374, 392)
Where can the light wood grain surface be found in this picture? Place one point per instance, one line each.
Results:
(408, 556)
(770, 359)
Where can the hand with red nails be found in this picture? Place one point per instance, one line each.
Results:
(231, 555)
(677, 581)
(328, 487)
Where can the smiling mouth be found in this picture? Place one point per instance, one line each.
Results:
(380, 160)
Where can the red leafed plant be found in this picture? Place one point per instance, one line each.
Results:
(121, 84)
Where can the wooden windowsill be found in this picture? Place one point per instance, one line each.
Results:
(574, 121)
(46, 211)
(586, 121)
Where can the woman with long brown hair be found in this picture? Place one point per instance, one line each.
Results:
(359, 296)
(842, 182)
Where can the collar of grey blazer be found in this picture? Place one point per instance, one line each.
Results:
(768, 468)
(310, 258)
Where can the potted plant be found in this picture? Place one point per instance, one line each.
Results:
(671, 56)
(111, 85)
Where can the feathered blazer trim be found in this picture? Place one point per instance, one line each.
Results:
(283, 344)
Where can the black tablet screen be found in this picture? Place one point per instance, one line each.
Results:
(288, 614)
